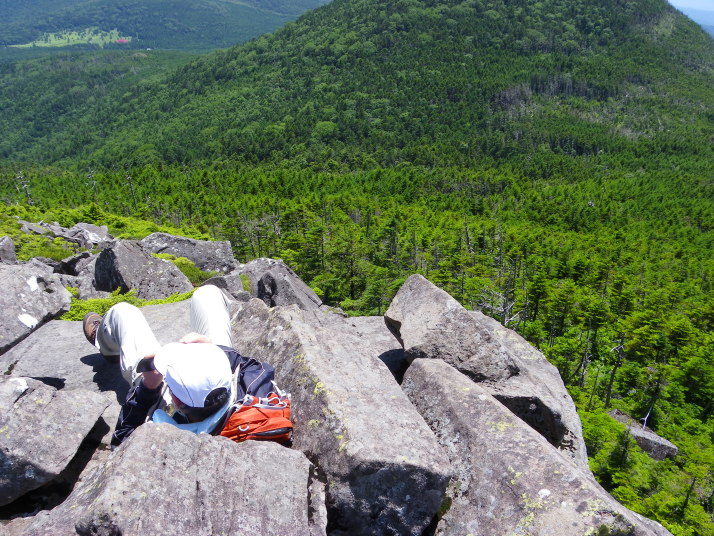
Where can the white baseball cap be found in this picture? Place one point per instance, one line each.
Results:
(193, 370)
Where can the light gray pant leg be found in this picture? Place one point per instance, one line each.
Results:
(125, 332)
(210, 314)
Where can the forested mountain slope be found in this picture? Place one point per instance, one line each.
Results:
(47, 94)
(168, 24)
(550, 163)
(431, 83)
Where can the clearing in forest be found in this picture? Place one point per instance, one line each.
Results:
(88, 36)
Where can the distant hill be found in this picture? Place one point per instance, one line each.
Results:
(371, 83)
(166, 24)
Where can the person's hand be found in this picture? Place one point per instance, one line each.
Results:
(152, 378)
(193, 337)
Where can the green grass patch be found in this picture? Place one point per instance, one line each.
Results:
(29, 246)
(88, 36)
(246, 282)
(188, 268)
(79, 308)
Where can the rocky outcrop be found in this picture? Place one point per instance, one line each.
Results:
(208, 255)
(440, 454)
(31, 296)
(431, 324)
(271, 281)
(85, 235)
(125, 266)
(78, 271)
(41, 430)
(7, 250)
(233, 284)
(656, 446)
(85, 280)
(509, 480)
(93, 236)
(386, 347)
(181, 483)
(74, 264)
(386, 473)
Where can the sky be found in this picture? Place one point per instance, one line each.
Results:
(706, 5)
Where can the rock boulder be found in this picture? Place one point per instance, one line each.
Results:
(386, 473)
(7, 250)
(93, 236)
(657, 447)
(431, 324)
(233, 284)
(126, 266)
(41, 430)
(386, 346)
(85, 280)
(208, 255)
(509, 479)
(163, 480)
(74, 264)
(276, 284)
(85, 235)
(31, 296)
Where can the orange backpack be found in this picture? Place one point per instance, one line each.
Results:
(266, 419)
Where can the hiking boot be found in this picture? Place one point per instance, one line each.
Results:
(90, 323)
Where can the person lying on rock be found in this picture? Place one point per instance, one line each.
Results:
(198, 370)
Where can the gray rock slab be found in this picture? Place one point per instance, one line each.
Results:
(31, 296)
(433, 325)
(233, 284)
(656, 446)
(509, 479)
(59, 355)
(208, 255)
(167, 481)
(14, 527)
(85, 281)
(74, 264)
(7, 250)
(52, 263)
(126, 266)
(386, 473)
(537, 393)
(41, 429)
(275, 283)
(385, 344)
(85, 235)
(93, 235)
(28, 227)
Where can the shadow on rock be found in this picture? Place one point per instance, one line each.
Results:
(396, 363)
(107, 376)
(55, 492)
